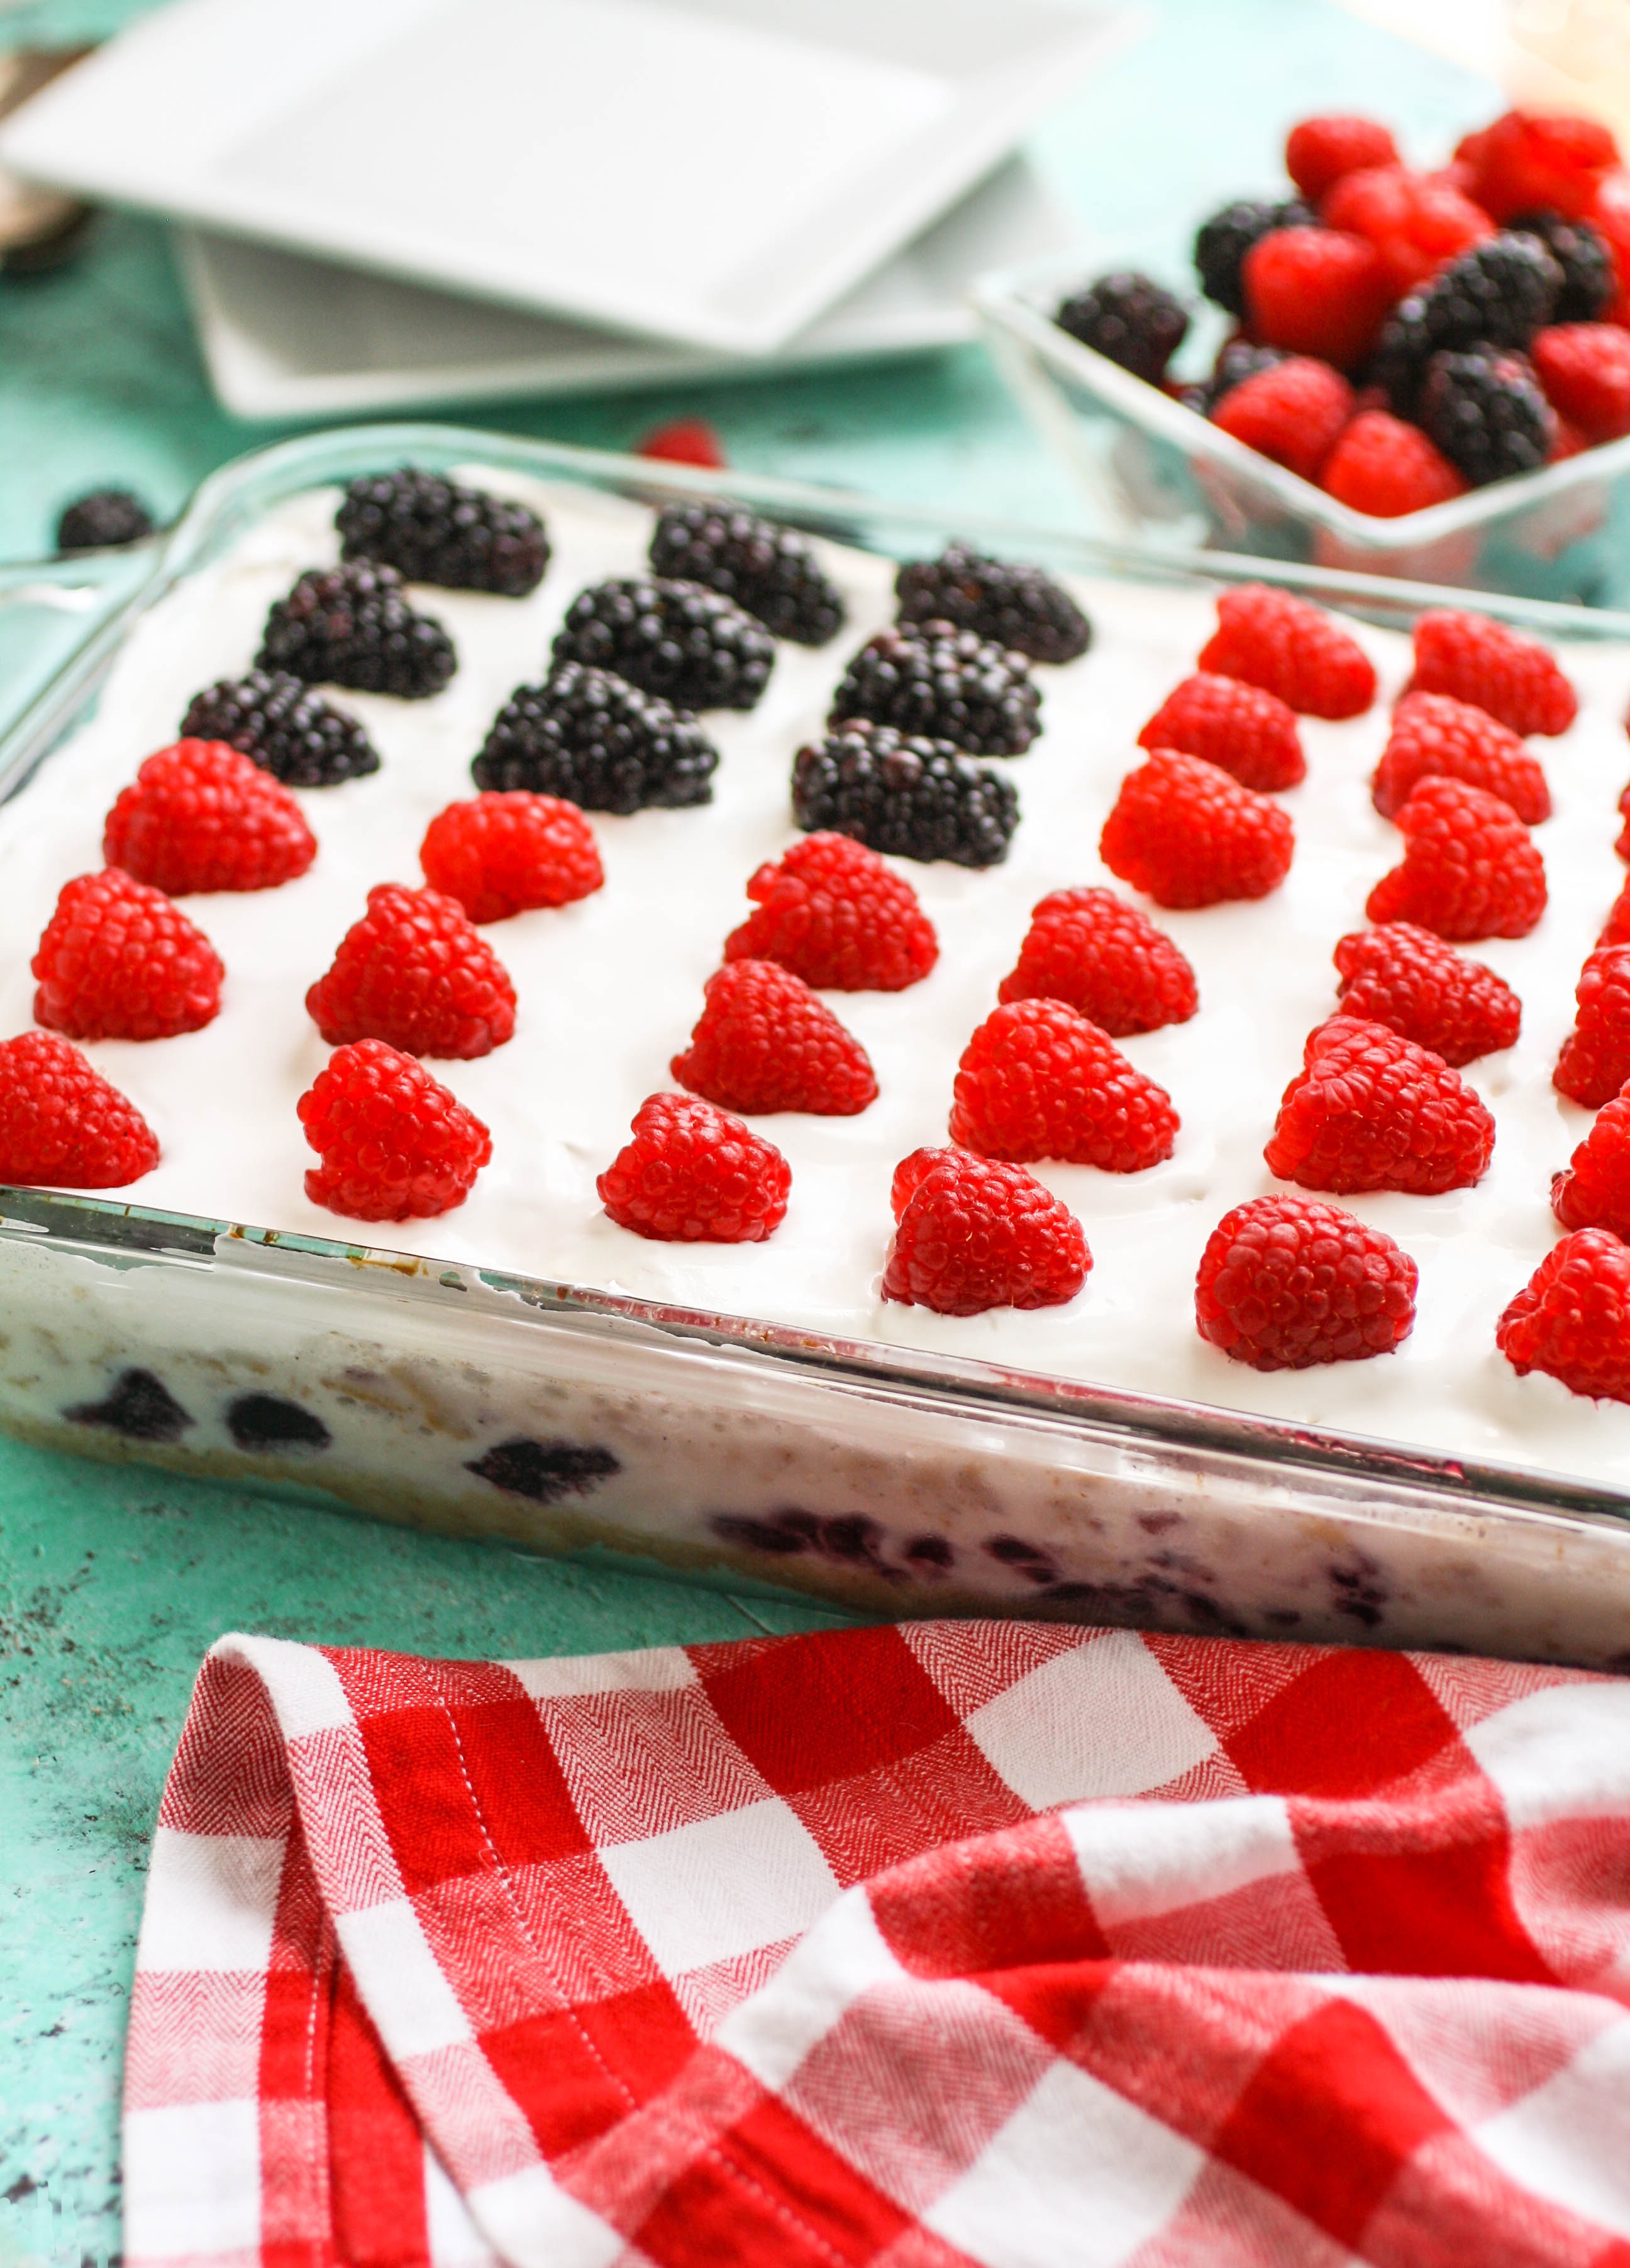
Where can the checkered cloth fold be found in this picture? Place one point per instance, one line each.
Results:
(887, 1948)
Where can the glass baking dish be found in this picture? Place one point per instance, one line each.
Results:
(560, 1417)
(1157, 472)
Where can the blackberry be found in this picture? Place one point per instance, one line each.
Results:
(1486, 413)
(433, 531)
(288, 729)
(769, 570)
(910, 797)
(352, 625)
(694, 646)
(1588, 283)
(1128, 318)
(104, 517)
(1021, 608)
(1498, 294)
(1223, 240)
(600, 742)
(951, 684)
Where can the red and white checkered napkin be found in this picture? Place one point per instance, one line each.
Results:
(959, 1942)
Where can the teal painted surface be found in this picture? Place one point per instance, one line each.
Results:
(114, 1582)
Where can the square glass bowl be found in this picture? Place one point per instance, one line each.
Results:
(1157, 473)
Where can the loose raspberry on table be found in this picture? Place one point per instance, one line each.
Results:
(1526, 163)
(763, 1043)
(1595, 1061)
(414, 973)
(1411, 980)
(1292, 413)
(1469, 870)
(1248, 733)
(395, 1144)
(63, 1125)
(1385, 467)
(504, 853)
(1319, 151)
(1105, 959)
(1593, 1190)
(1371, 1110)
(1417, 222)
(972, 1233)
(1317, 291)
(1572, 1318)
(1514, 678)
(838, 917)
(1436, 736)
(202, 816)
(1292, 649)
(684, 441)
(1038, 1080)
(692, 1174)
(1585, 371)
(118, 961)
(1286, 1282)
(1189, 836)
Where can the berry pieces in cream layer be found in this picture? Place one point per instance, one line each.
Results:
(611, 982)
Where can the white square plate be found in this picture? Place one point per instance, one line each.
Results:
(713, 171)
(285, 336)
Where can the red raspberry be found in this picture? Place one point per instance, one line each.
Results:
(1036, 1081)
(506, 852)
(1286, 1282)
(1572, 1318)
(835, 915)
(1609, 213)
(62, 1125)
(1105, 959)
(395, 1144)
(202, 816)
(1371, 1110)
(1189, 836)
(1585, 371)
(763, 1043)
(1248, 733)
(1595, 1061)
(1470, 866)
(1417, 222)
(413, 973)
(684, 441)
(1435, 736)
(1292, 412)
(1524, 164)
(1387, 468)
(1319, 151)
(1616, 928)
(973, 1234)
(1412, 982)
(118, 961)
(1290, 648)
(695, 1175)
(1475, 659)
(1593, 1191)
(1316, 291)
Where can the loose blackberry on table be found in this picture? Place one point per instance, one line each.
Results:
(772, 571)
(352, 625)
(436, 530)
(1019, 606)
(951, 684)
(288, 729)
(906, 796)
(1134, 321)
(1222, 242)
(694, 646)
(105, 517)
(592, 738)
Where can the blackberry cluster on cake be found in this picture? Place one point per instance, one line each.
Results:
(694, 646)
(594, 739)
(904, 795)
(772, 571)
(288, 729)
(435, 531)
(1019, 608)
(352, 625)
(951, 684)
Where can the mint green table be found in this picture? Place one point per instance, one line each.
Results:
(114, 1582)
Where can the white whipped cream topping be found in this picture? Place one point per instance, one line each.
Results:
(610, 987)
